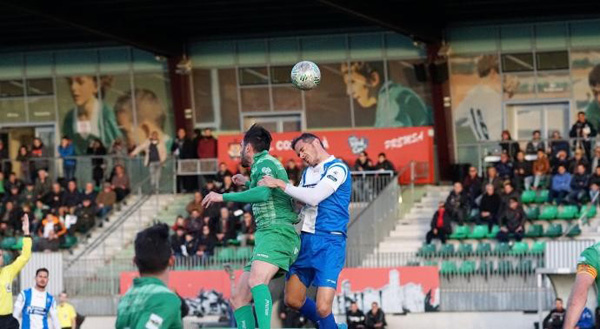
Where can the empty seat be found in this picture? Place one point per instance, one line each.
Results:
(542, 196)
(427, 250)
(448, 267)
(8, 242)
(504, 267)
(535, 231)
(528, 196)
(532, 212)
(460, 232)
(494, 232)
(479, 232)
(483, 248)
(548, 212)
(502, 248)
(519, 248)
(567, 212)
(538, 248)
(525, 266)
(554, 230)
(465, 249)
(447, 250)
(574, 231)
(467, 267)
(588, 211)
(486, 267)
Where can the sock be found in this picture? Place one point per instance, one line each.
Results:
(263, 305)
(244, 317)
(309, 310)
(327, 322)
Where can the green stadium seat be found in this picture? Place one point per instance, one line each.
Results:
(535, 231)
(460, 232)
(483, 248)
(494, 232)
(568, 212)
(18, 245)
(554, 230)
(525, 266)
(69, 242)
(427, 250)
(243, 253)
(502, 248)
(233, 242)
(542, 196)
(448, 267)
(519, 248)
(479, 232)
(467, 267)
(574, 231)
(532, 212)
(504, 267)
(549, 212)
(8, 242)
(486, 267)
(225, 254)
(465, 249)
(447, 250)
(588, 211)
(528, 196)
(538, 248)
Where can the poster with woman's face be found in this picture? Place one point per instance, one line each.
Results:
(585, 74)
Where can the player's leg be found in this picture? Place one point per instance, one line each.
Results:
(325, 296)
(260, 276)
(327, 270)
(295, 297)
(240, 300)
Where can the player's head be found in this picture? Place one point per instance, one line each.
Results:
(363, 81)
(594, 81)
(63, 297)
(256, 140)
(309, 148)
(152, 250)
(41, 278)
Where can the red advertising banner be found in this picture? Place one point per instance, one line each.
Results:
(401, 145)
(396, 289)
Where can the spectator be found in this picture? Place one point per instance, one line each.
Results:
(536, 144)
(183, 148)
(492, 178)
(195, 222)
(561, 185)
(5, 164)
(595, 177)
(43, 185)
(178, 241)
(248, 228)
(441, 225)
(13, 195)
(155, 156)
(190, 246)
(120, 183)
(67, 153)
(13, 180)
(554, 319)
(560, 160)
(595, 186)
(383, 163)
(50, 233)
(579, 186)
(56, 197)
(67, 316)
(10, 219)
(293, 172)
(457, 204)
(509, 147)
(209, 187)
(227, 186)
(206, 242)
(507, 193)
(225, 228)
(578, 159)
(180, 222)
(472, 185)
(355, 318)
(86, 216)
(596, 159)
(207, 145)
(583, 130)
(489, 208)
(505, 167)
(375, 318)
(557, 144)
(512, 221)
(89, 192)
(105, 200)
(97, 151)
(195, 204)
(118, 152)
(541, 169)
(289, 317)
(39, 156)
(23, 158)
(223, 171)
(522, 172)
(72, 196)
(363, 163)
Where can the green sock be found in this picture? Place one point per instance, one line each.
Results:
(263, 305)
(244, 317)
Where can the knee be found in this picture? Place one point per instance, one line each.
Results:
(239, 300)
(255, 280)
(323, 309)
(294, 302)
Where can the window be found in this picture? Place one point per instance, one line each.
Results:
(281, 74)
(552, 60)
(253, 76)
(11, 88)
(40, 87)
(517, 62)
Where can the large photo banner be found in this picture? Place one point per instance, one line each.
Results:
(401, 145)
(395, 289)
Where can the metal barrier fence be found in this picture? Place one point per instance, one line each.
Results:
(366, 186)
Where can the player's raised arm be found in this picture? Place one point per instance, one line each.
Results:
(578, 298)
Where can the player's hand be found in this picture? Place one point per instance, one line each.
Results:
(211, 198)
(239, 179)
(271, 182)
(25, 227)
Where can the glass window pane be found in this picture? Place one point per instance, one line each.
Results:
(255, 99)
(553, 60)
(41, 109)
(329, 104)
(11, 88)
(254, 76)
(40, 87)
(554, 84)
(203, 96)
(518, 86)
(517, 62)
(12, 110)
(528, 120)
(281, 74)
(230, 114)
(286, 98)
(292, 126)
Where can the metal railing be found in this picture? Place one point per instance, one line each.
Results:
(366, 187)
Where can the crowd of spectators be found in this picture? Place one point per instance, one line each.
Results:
(570, 171)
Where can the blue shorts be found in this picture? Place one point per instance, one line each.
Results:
(321, 259)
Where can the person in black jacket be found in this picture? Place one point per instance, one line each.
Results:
(375, 318)
(98, 151)
(441, 225)
(508, 192)
(579, 186)
(457, 204)
(522, 172)
(56, 197)
(508, 145)
(559, 160)
(583, 130)
(535, 144)
(512, 222)
(72, 196)
(472, 186)
(556, 317)
(177, 241)
(557, 144)
(206, 242)
(383, 163)
(355, 318)
(489, 207)
(184, 148)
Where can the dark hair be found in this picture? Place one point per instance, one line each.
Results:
(558, 299)
(42, 269)
(152, 249)
(306, 138)
(594, 76)
(514, 199)
(381, 154)
(259, 137)
(486, 64)
(580, 112)
(536, 132)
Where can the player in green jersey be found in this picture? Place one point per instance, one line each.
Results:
(588, 267)
(149, 304)
(276, 242)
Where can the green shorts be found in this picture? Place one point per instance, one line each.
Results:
(277, 245)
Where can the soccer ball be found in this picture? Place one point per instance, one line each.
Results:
(306, 75)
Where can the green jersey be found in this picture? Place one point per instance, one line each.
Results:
(149, 304)
(589, 263)
(592, 112)
(399, 106)
(270, 206)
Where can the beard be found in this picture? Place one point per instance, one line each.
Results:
(245, 160)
